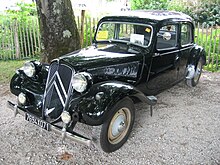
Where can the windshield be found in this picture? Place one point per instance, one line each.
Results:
(139, 34)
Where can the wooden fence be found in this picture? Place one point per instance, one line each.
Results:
(209, 38)
(89, 29)
(20, 41)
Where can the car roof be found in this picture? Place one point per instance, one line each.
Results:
(154, 15)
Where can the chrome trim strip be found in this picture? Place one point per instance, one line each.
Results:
(61, 84)
(50, 82)
(188, 47)
(47, 88)
(175, 51)
(59, 94)
(189, 44)
(162, 54)
(68, 135)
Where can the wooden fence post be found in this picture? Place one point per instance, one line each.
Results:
(3, 43)
(16, 40)
(38, 36)
(210, 44)
(82, 27)
(10, 53)
(218, 52)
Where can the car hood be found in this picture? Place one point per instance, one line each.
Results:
(93, 57)
(110, 62)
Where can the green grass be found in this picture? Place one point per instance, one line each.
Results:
(8, 68)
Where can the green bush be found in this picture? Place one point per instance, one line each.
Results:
(180, 7)
(6, 36)
(149, 4)
(207, 11)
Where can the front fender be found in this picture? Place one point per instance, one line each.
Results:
(97, 103)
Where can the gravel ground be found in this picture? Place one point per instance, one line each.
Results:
(184, 129)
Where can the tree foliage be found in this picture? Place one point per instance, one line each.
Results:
(149, 4)
(24, 11)
(207, 11)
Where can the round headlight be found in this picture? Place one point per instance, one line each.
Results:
(22, 98)
(79, 82)
(29, 69)
(65, 116)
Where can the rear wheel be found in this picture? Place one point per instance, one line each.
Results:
(195, 80)
(117, 128)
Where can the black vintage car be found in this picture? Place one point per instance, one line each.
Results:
(135, 56)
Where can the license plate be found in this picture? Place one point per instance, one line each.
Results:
(37, 121)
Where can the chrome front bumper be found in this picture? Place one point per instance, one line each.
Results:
(62, 132)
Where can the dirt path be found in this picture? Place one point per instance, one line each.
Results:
(184, 129)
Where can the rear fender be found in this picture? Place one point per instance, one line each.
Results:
(97, 103)
(196, 53)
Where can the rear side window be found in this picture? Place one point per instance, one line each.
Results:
(186, 34)
(167, 37)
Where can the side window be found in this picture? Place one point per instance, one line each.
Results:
(167, 37)
(186, 34)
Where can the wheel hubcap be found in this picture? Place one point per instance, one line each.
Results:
(119, 125)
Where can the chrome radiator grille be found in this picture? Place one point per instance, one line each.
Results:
(57, 89)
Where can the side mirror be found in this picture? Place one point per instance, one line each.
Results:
(167, 36)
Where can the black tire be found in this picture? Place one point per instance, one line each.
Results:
(117, 128)
(198, 71)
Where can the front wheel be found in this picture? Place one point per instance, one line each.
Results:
(198, 71)
(117, 128)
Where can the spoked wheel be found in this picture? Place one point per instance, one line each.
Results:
(195, 80)
(118, 126)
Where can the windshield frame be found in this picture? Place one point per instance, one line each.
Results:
(123, 41)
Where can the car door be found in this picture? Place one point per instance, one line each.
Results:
(186, 45)
(165, 61)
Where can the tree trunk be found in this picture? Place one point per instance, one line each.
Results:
(59, 34)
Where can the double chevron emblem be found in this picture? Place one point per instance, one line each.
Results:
(57, 89)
